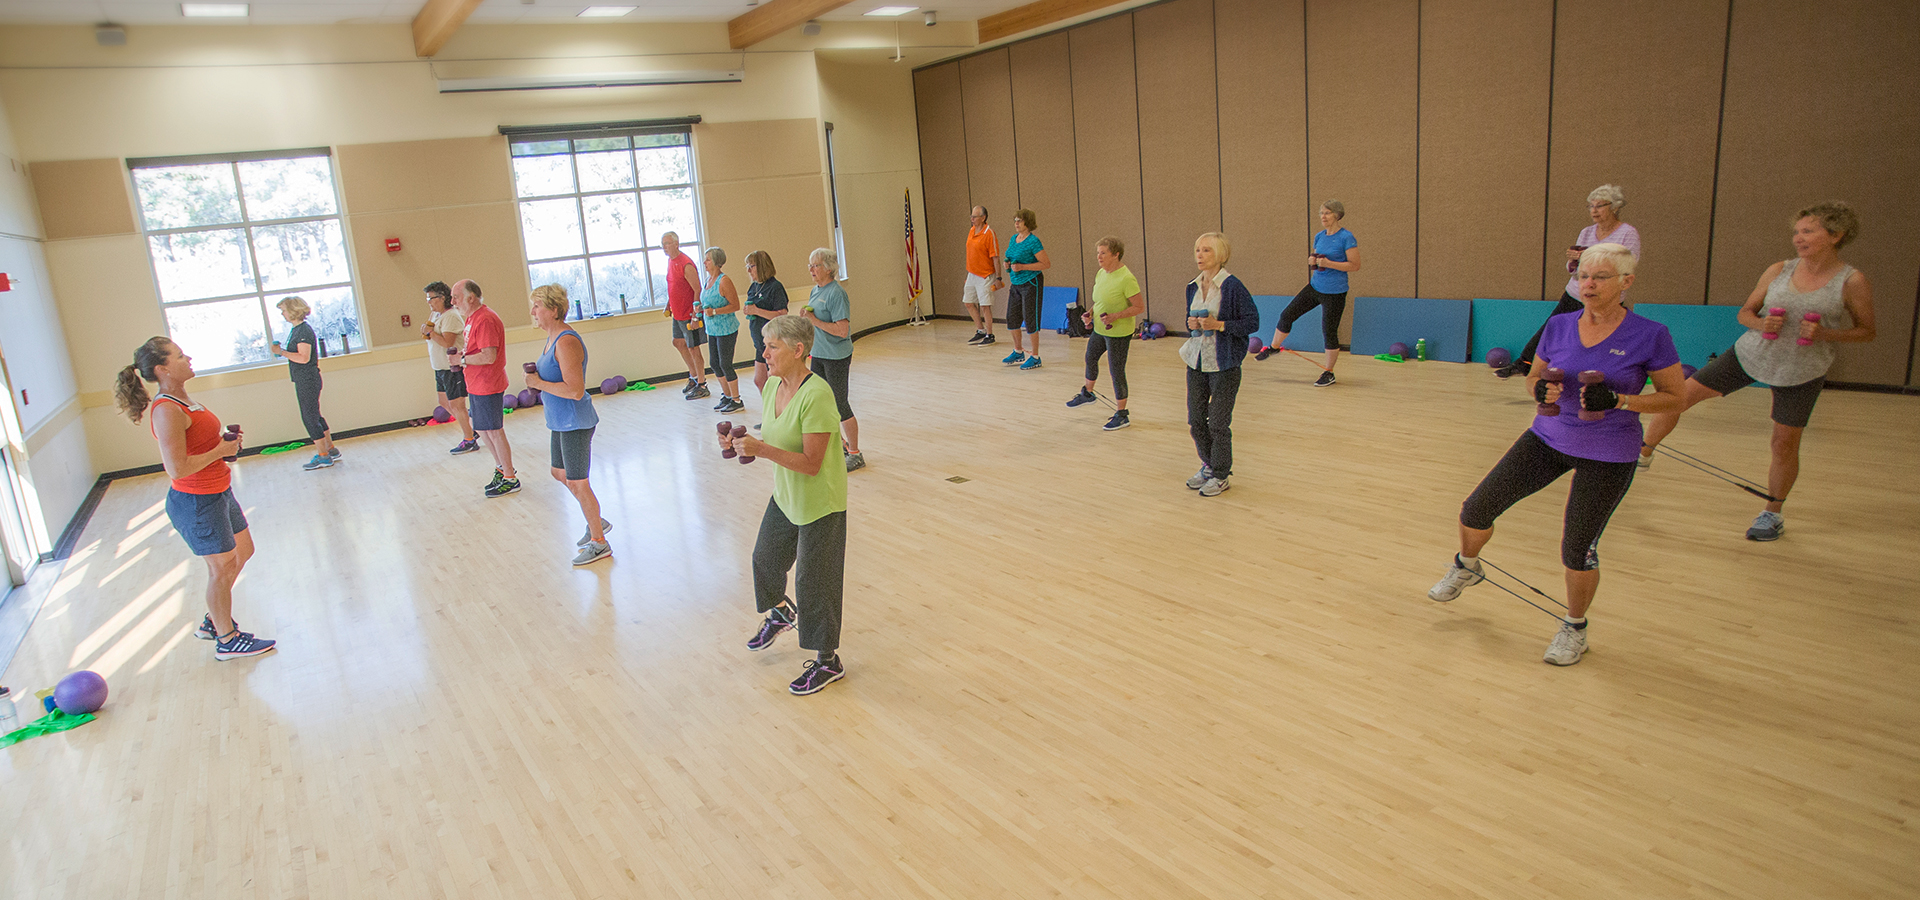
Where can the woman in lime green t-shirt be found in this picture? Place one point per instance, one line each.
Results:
(1111, 314)
(806, 520)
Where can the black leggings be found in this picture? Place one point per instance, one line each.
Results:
(720, 354)
(835, 372)
(1099, 344)
(820, 547)
(1332, 308)
(1598, 488)
(1210, 397)
(308, 395)
(1568, 303)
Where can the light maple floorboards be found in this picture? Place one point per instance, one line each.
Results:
(1069, 676)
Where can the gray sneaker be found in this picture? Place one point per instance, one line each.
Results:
(1214, 487)
(586, 537)
(1568, 646)
(856, 461)
(1457, 579)
(1766, 527)
(593, 551)
(1200, 478)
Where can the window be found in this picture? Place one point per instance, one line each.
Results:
(231, 235)
(593, 205)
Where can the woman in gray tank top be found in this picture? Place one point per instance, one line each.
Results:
(1798, 311)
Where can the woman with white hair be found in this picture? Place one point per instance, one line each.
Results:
(1603, 206)
(1220, 318)
(1625, 349)
(830, 313)
(1795, 359)
(303, 367)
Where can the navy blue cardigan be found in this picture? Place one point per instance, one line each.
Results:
(1240, 316)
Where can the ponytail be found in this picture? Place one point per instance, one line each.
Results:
(128, 393)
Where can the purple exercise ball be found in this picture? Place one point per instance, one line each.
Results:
(1499, 358)
(526, 398)
(1158, 330)
(1399, 349)
(1255, 344)
(610, 386)
(79, 693)
(510, 401)
(1686, 371)
(440, 414)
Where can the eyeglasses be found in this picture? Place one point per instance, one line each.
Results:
(1603, 278)
(1599, 206)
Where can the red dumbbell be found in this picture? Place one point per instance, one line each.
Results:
(1552, 376)
(726, 429)
(1590, 376)
(233, 434)
(739, 432)
(1811, 317)
(1773, 313)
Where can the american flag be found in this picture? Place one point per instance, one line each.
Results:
(913, 256)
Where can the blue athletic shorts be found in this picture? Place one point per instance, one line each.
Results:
(208, 522)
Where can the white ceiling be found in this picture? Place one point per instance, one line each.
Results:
(494, 12)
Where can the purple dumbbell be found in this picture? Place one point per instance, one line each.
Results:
(1552, 376)
(726, 429)
(740, 431)
(233, 434)
(1590, 376)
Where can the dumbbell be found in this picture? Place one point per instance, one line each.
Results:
(1811, 317)
(1773, 313)
(233, 434)
(726, 430)
(1590, 376)
(1315, 266)
(1552, 376)
(1573, 266)
(531, 369)
(740, 432)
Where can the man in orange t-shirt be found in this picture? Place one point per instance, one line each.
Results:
(983, 277)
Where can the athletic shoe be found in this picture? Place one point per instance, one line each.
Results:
(1644, 462)
(335, 453)
(1118, 421)
(1214, 487)
(856, 461)
(699, 392)
(1264, 353)
(725, 401)
(1200, 478)
(498, 477)
(1081, 399)
(775, 624)
(735, 406)
(688, 388)
(505, 487)
(1033, 362)
(464, 447)
(239, 644)
(205, 632)
(1766, 527)
(586, 537)
(592, 551)
(1326, 378)
(1567, 645)
(319, 461)
(983, 342)
(977, 337)
(1508, 371)
(817, 675)
(1014, 357)
(1457, 579)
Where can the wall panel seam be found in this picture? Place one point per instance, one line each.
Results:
(1719, 142)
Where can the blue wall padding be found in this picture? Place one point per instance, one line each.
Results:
(1506, 323)
(1053, 306)
(1305, 336)
(1378, 322)
(1697, 330)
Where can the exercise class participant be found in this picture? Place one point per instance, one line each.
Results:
(200, 501)
(561, 374)
(303, 367)
(485, 360)
(718, 304)
(1626, 348)
(683, 285)
(1335, 254)
(1814, 281)
(1603, 206)
(766, 299)
(1026, 260)
(1220, 318)
(1111, 314)
(805, 525)
(983, 276)
(830, 313)
(443, 331)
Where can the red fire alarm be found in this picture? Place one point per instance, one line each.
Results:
(6, 284)
(393, 245)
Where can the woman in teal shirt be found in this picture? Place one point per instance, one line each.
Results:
(1026, 259)
(719, 302)
(806, 520)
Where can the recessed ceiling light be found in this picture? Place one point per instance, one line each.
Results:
(213, 10)
(604, 12)
(890, 11)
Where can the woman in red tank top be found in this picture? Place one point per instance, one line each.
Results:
(200, 500)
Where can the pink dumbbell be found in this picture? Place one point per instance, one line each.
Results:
(1773, 313)
(1552, 376)
(1811, 317)
(740, 431)
(726, 429)
(1590, 376)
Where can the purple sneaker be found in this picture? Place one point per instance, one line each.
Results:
(817, 675)
(771, 628)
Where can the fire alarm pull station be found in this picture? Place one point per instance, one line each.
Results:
(393, 245)
(405, 321)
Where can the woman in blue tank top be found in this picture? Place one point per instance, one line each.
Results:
(561, 378)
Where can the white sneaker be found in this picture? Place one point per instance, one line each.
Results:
(1457, 579)
(1567, 645)
(1214, 487)
(1200, 478)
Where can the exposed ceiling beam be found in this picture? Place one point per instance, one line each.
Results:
(1037, 14)
(437, 22)
(774, 16)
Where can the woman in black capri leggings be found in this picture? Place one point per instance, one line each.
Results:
(1335, 253)
(303, 366)
(1111, 315)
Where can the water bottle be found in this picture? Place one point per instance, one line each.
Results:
(1420, 349)
(9, 718)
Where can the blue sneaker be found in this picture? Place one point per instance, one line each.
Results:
(1014, 357)
(1033, 362)
(1081, 399)
(238, 644)
(1766, 527)
(319, 461)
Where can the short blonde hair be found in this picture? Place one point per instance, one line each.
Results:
(794, 330)
(826, 257)
(554, 298)
(1837, 217)
(1222, 248)
(1623, 259)
(295, 308)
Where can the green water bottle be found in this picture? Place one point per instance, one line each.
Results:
(1420, 349)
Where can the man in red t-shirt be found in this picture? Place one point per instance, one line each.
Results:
(683, 285)
(485, 362)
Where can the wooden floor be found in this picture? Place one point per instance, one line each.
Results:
(1068, 675)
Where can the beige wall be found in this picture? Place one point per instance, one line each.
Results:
(877, 162)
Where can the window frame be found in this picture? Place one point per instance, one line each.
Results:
(248, 226)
